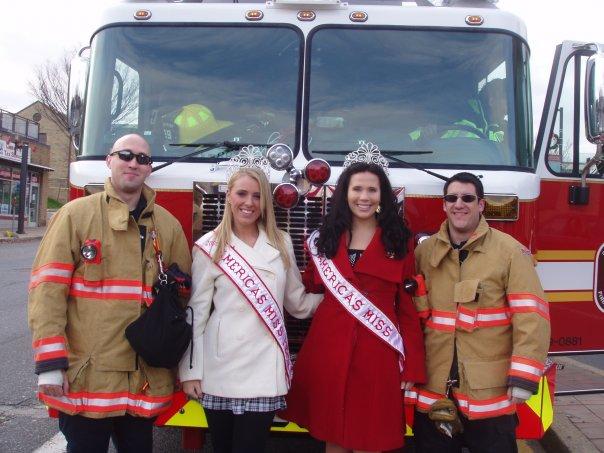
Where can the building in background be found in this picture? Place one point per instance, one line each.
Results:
(15, 130)
(58, 140)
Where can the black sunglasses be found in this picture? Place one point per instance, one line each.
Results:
(466, 198)
(127, 155)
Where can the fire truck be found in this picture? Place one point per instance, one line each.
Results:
(439, 86)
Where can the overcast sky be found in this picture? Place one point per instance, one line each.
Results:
(35, 31)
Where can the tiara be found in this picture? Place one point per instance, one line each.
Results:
(368, 153)
(248, 157)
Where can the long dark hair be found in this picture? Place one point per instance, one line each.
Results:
(395, 232)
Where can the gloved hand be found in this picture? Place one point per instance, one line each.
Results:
(518, 395)
(445, 416)
(53, 383)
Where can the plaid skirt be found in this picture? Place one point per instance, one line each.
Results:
(241, 405)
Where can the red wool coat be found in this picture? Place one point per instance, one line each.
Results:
(346, 385)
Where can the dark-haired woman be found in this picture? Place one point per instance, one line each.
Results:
(350, 374)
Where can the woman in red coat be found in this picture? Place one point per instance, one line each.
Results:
(348, 384)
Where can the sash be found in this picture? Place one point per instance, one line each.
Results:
(256, 293)
(355, 302)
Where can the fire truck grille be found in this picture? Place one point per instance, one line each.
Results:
(298, 223)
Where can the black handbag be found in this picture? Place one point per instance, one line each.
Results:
(161, 335)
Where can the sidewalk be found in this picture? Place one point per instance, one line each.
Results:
(31, 234)
(578, 420)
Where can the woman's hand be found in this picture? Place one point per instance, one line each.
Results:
(407, 385)
(192, 389)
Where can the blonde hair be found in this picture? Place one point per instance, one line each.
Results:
(223, 232)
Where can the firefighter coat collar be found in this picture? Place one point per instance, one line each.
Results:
(118, 211)
(443, 243)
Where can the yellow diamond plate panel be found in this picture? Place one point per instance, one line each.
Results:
(408, 431)
(541, 404)
(547, 414)
(290, 428)
(190, 415)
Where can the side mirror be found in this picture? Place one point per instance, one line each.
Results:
(594, 98)
(78, 78)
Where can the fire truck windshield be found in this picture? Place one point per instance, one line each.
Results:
(442, 97)
(180, 85)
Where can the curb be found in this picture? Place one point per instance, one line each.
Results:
(565, 437)
(14, 240)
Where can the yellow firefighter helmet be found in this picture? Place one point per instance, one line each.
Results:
(196, 121)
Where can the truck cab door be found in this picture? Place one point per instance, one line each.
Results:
(570, 234)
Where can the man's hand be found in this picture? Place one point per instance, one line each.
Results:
(407, 385)
(55, 390)
(192, 389)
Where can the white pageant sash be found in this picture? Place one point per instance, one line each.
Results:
(253, 289)
(355, 302)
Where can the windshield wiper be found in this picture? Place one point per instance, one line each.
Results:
(391, 154)
(205, 147)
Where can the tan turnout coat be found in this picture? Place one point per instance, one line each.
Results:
(78, 308)
(492, 309)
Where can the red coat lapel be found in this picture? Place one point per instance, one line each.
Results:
(376, 263)
(342, 261)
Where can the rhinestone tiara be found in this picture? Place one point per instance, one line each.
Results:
(248, 157)
(368, 153)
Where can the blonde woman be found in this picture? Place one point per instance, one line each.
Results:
(246, 269)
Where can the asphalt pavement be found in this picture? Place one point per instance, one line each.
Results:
(24, 424)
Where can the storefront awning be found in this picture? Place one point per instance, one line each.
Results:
(29, 165)
(41, 167)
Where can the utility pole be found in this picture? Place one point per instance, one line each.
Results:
(22, 189)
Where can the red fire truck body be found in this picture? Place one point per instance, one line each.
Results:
(321, 76)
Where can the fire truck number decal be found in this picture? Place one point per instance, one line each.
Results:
(566, 341)
(599, 279)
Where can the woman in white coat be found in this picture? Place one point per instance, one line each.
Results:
(246, 270)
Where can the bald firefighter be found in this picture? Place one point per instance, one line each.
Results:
(92, 276)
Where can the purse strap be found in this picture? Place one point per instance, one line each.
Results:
(162, 276)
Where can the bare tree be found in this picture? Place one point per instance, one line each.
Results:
(49, 86)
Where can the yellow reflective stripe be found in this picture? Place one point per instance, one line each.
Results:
(565, 255)
(570, 296)
(416, 134)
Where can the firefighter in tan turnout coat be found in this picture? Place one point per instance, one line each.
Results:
(486, 327)
(93, 276)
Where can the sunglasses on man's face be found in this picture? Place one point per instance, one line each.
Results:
(466, 198)
(127, 155)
